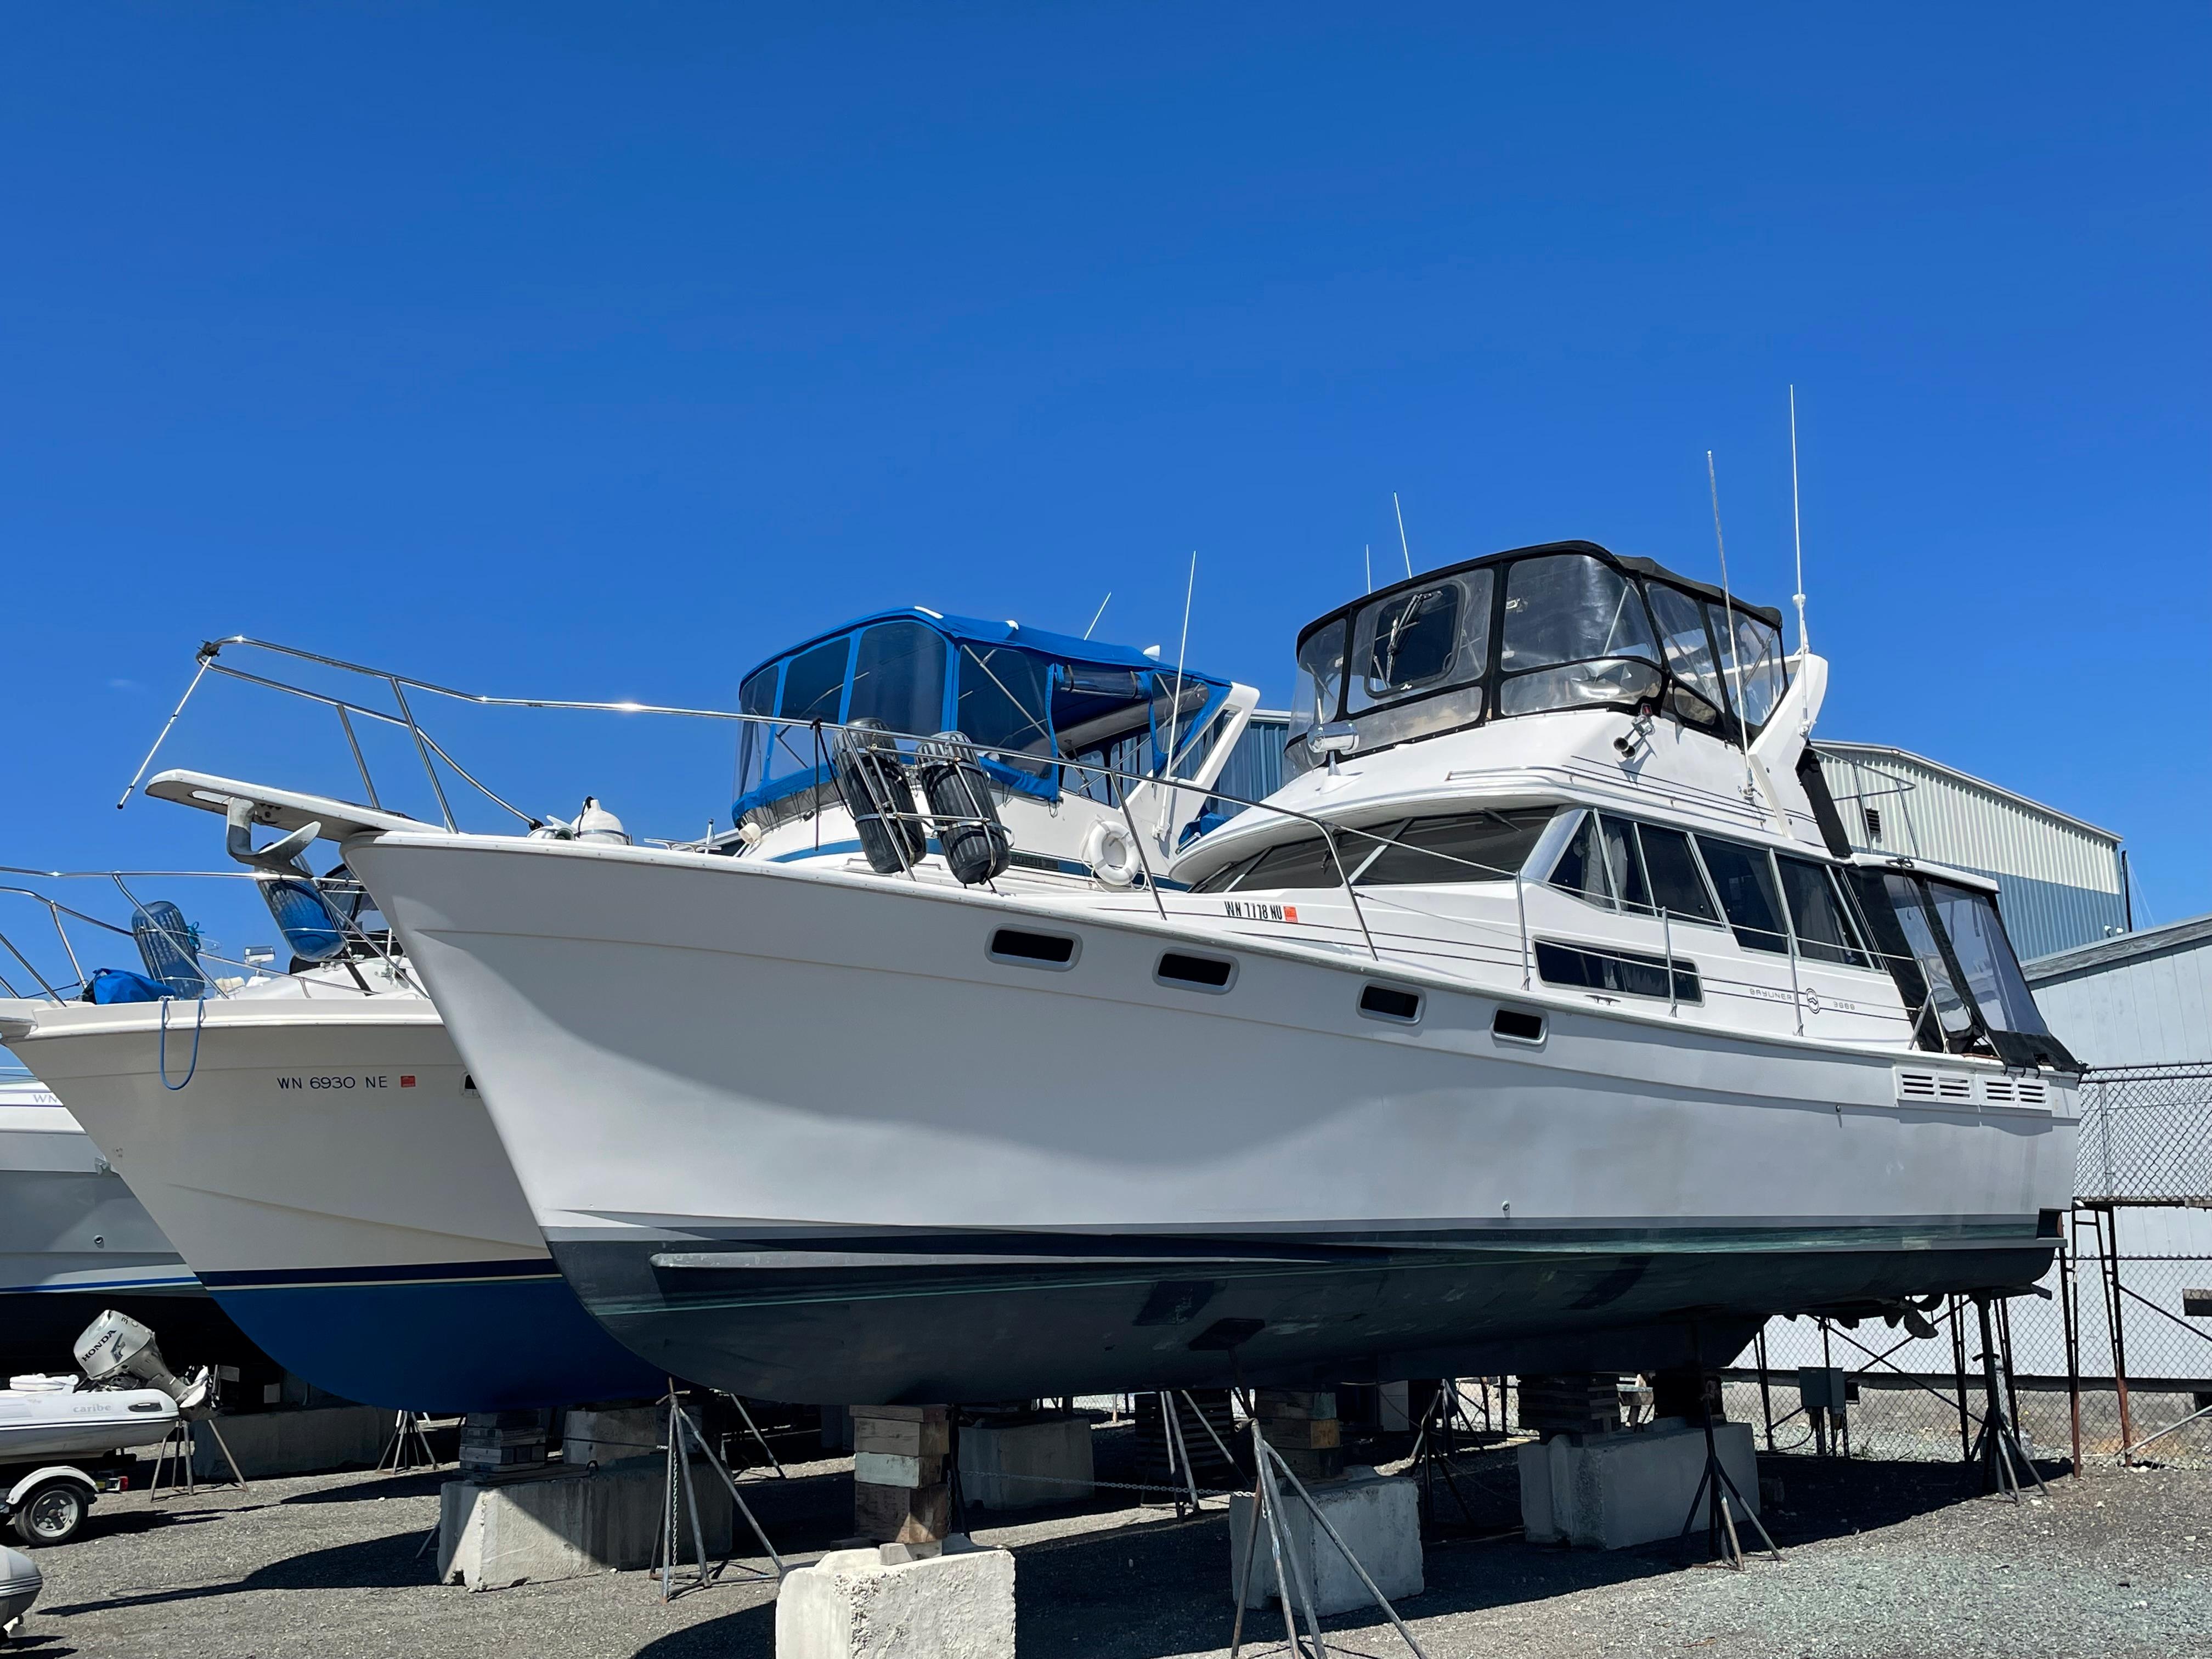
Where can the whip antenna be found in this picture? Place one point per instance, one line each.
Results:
(1100, 611)
(1797, 525)
(1402, 548)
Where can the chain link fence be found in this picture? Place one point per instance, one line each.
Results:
(2110, 1358)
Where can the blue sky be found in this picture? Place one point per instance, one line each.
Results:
(596, 351)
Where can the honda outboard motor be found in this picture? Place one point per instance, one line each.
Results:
(977, 846)
(876, 792)
(170, 951)
(115, 1346)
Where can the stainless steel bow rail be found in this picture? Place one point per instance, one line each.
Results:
(188, 942)
(825, 736)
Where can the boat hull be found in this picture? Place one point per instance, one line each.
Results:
(330, 1172)
(39, 1425)
(812, 1141)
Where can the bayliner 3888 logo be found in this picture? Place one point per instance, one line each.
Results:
(1249, 910)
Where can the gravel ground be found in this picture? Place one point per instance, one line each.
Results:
(1882, 1559)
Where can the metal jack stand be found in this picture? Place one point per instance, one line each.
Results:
(410, 1445)
(685, 1438)
(1715, 1488)
(177, 1445)
(1266, 1510)
(1998, 1444)
(1434, 1451)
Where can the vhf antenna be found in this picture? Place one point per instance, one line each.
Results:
(1796, 525)
(1402, 548)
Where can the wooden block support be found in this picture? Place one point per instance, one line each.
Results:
(902, 1514)
(903, 1437)
(1276, 1403)
(900, 1495)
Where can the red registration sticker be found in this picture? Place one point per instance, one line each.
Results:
(406, 1081)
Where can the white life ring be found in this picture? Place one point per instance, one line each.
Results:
(1111, 852)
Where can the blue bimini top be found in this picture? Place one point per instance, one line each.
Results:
(1031, 700)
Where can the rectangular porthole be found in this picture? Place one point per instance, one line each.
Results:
(1030, 950)
(1518, 1026)
(1387, 1002)
(1191, 973)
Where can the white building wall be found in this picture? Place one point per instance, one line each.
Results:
(2142, 1000)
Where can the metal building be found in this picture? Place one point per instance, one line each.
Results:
(2140, 1000)
(2061, 882)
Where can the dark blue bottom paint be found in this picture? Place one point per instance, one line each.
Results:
(441, 1344)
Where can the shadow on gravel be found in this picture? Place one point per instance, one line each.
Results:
(415, 1483)
(375, 1564)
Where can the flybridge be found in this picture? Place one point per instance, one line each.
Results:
(1562, 625)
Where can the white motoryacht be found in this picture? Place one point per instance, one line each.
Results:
(73, 1239)
(1537, 1027)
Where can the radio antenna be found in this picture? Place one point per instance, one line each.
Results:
(1728, 602)
(1796, 526)
(1100, 611)
(1402, 548)
(1368, 553)
(1175, 715)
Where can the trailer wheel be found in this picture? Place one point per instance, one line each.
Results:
(51, 1514)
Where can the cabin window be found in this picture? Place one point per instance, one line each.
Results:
(1678, 886)
(1985, 956)
(1951, 1011)
(1306, 863)
(1195, 973)
(1030, 950)
(1817, 912)
(1225, 878)
(898, 678)
(1422, 641)
(1689, 652)
(1622, 973)
(1473, 846)
(1581, 867)
(1744, 877)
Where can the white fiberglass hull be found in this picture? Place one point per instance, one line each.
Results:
(327, 1169)
(43, 1424)
(798, 1134)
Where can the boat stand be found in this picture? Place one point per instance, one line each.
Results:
(685, 1439)
(1435, 1457)
(175, 1459)
(1267, 1512)
(410, 1445)
(1997, 1448)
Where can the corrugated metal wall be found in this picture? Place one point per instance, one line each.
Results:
(1254, 769)
(2145, 1000)
(2059, 879)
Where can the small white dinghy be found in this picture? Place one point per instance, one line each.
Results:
(43, 1419)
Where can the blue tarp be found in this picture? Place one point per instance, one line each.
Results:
(109, 985)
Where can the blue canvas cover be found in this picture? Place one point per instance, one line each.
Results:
(304, 917)
(109, 985)
(169, 948)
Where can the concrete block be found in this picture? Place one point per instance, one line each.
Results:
(271, 1444)
(871, 1604)
(1609, 1491)
(610, 1434)
(563, 1524)
(1020, 1465)
(1379, 1517)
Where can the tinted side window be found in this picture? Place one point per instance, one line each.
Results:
(1978, 939)
(898, 678)
(1225, 878)
(1942, 994)
(1825, 932)
(1581, 868)
(1677, 884)
(1746, 881)
(1294, 863)
(1624, 864)
(1477, 846)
